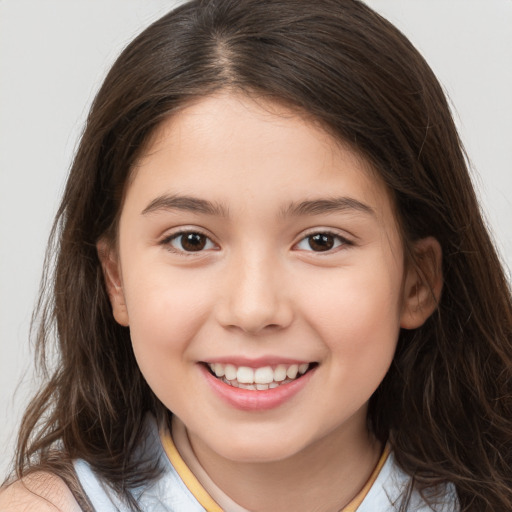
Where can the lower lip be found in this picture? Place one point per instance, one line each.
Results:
(253, 400)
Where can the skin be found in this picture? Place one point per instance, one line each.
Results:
(38, 492)
(260, 288)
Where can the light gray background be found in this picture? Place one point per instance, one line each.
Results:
(53, 55)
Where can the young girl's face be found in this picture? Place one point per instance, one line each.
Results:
(251, 242)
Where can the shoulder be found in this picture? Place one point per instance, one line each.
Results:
(38, 492)
(393, 486)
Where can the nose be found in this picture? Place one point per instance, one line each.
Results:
(254, 298)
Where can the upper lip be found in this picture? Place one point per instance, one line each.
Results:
(257, 362)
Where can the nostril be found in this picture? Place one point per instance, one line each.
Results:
(255, 328)
(254, 310)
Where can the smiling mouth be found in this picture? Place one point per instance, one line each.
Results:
(263, 378)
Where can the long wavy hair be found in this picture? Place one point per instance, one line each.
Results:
(445, 405)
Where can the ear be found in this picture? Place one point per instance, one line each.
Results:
(423, 283)
(113, 281)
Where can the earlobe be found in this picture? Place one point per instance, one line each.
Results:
(113, 282)
(423, 283)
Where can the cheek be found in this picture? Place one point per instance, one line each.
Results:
(165, 313)
(358, 315)
(163, 324)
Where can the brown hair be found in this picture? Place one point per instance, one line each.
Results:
(446, 403)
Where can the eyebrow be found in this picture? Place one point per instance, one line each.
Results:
(320, 206)
(185, 203)
(294, 209)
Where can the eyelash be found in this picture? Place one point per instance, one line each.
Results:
(327, 237)
(168, 242)
(338, 241)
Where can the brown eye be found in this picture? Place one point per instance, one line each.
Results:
(193, 242)
(322, 242)
(190, 242)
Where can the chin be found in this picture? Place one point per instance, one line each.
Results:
(259, 448)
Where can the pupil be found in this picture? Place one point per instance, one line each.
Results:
(193, 242)
(321, 242)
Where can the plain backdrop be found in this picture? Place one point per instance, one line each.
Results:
(53, 56)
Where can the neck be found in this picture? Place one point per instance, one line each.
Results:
(331, 472)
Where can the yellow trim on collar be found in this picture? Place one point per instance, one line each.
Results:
(193, 485)
(206, 501)
(354, 504)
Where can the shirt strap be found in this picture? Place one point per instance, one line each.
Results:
(356, 502)
(193, 485)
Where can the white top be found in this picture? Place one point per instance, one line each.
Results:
(170, 493)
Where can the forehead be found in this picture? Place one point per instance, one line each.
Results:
(234, 143)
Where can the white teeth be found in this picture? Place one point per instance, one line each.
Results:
(264, 375)
(246, 386)
(292, 371)
(280, 373)
(245, 375)
(229, 371)
(303, 367)
(262, 378)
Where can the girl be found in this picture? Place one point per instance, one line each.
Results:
(269, 291)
